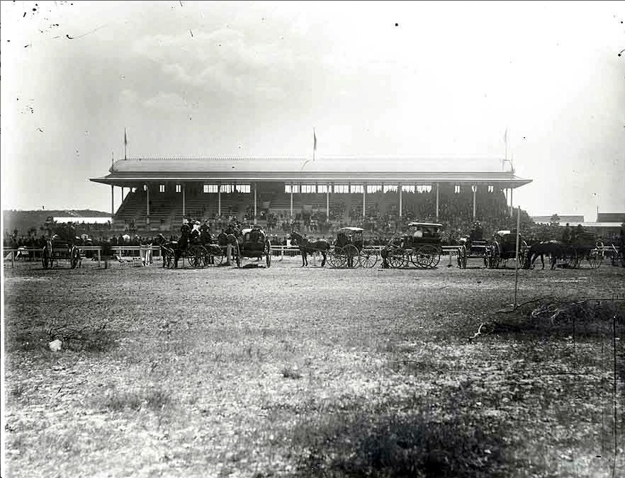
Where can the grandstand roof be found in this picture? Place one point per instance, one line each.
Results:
(137, 171)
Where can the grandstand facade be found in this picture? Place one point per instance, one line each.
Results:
(155, 194)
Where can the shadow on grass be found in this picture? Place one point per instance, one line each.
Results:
(397, 443)
(583, 318)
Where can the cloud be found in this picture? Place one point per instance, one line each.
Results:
(167, 102)
(224, 61)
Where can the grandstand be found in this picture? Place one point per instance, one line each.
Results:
(156, 193)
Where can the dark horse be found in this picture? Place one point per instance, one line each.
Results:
(175, 247)
(554, 249)
(306, 247)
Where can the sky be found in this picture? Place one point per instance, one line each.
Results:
(252, 79)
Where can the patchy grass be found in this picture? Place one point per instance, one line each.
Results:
(411, 438)
(291, 371)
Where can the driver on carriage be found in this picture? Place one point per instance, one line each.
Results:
(477, 233)
(205, 233)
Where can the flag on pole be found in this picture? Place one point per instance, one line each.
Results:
(314, 140)
(125, 138)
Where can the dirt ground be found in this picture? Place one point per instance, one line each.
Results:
(291, 371)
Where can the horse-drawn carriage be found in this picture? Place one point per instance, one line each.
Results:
(349, 250)
(583, 247)
(197, 248)
(503, 248)
(172, 251)
(58, 248)
(252, 243)
(419, 245)
(473, 246)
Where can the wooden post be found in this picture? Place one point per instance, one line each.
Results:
(364, 200)
(255, 200)
(328, 203)
(474, 187)
(437, 199)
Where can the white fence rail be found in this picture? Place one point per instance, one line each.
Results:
(148, 252)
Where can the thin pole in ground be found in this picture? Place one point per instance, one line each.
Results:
(516, 256)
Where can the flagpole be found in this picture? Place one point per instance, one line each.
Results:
(314, 143)
(506, 141)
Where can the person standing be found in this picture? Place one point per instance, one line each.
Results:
(566, 234)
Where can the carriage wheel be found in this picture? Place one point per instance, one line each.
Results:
(352, 256)
(335, 258)
(74, 257)
(397, 259)
(368, 258)
(523, 249)
(169, 257)
(213, 256)
(595, 258)
(427, 257)
(197, 256)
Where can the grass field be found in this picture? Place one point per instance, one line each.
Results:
(313, 372)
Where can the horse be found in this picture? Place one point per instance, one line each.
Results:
(306, 247)
(553, 249)
(166, 249)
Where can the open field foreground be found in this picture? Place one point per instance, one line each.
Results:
(312, 372)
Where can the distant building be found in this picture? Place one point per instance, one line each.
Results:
(572, 220)
(607, 225)
(611, 217)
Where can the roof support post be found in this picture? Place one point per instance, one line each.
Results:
(183, 200)
(400, 206)
(511, 202)
(291, 200)
(112, 201)
(328, 203)
(364, 199)
(122, 195)
(219, 199)
(474, 188)
(437, 198)
(255, 199)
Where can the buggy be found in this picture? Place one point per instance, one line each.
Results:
(188, 247)
(349, 250)
(253, 242)
(419, 245)
(502, 248)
